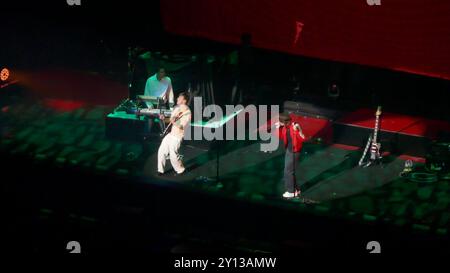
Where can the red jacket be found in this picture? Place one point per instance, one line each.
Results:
(297, 139)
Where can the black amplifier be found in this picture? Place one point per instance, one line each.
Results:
(123, 126)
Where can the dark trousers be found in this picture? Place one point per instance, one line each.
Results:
(290, 163)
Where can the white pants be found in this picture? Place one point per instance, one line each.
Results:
(169, 147)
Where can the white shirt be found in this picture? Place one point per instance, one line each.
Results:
(180, 125)
(161, 89)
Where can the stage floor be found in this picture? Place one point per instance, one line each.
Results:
(327, 174)
(324, 172)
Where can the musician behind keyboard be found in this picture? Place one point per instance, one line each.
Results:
(159, 86)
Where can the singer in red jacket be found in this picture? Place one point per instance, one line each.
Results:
(292, 136)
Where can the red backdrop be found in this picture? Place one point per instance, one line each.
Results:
(405, 35)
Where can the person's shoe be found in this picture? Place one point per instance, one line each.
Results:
(178, 174)
(291, 194)
(160, 174)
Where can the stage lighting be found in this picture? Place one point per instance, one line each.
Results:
(4, 74)
(334, 91)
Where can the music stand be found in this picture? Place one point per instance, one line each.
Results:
(216, 125)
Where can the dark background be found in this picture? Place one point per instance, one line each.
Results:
(95, 36)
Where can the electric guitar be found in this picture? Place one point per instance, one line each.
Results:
(375, 147)
(372, 143)
(169, 127)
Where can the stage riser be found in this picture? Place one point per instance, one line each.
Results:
(393, 142)
(311, 110)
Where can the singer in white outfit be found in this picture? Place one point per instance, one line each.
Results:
(180, 118)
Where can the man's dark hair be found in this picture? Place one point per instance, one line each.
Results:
(285, 117)
(185, 95)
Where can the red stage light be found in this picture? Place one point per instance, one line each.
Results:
(4, 74)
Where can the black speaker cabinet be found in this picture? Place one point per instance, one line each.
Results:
(123, 126)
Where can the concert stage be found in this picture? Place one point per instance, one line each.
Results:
(80, 129)
(73, 169)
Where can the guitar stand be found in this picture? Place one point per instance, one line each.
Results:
(378, 161)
